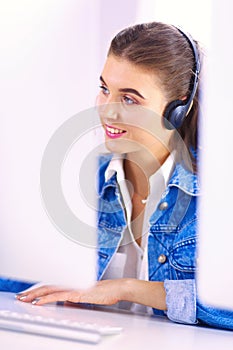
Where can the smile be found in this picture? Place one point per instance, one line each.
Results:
(113, 132)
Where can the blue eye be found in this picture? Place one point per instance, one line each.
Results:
(104, 90)
(129, 101)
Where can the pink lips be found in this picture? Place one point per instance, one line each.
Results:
(112, 132)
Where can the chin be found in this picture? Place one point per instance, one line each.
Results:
(114, 148)
(121, 146)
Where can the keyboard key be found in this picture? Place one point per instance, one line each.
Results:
(61, 328)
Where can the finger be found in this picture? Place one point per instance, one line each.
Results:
(28, 296)
(57, 296)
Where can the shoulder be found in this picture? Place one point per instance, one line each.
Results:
(185, 180)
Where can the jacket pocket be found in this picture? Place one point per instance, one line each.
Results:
(183, 255)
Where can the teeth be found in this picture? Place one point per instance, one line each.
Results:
(114, 131)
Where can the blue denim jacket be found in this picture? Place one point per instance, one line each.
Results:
(172, 242)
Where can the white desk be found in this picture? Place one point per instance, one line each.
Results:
(140, 332)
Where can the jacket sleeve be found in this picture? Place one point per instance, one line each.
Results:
(214, 317)
(181, 300)
(184, 306)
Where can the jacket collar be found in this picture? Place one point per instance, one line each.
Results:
(180, 177)
(185, 180)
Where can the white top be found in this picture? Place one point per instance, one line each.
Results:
(131, 260)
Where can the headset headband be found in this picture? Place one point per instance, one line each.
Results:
(176, 111)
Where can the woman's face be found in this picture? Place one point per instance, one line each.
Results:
(131, 103)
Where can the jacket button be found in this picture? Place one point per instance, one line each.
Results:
(163, 205)
(162, 258)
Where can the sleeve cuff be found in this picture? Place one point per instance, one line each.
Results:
(181, 300)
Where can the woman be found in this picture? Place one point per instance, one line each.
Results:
(148, 187)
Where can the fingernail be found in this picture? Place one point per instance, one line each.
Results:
(17, 295)
(35, 301)
(23, 297)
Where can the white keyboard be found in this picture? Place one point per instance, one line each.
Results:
(59, 328)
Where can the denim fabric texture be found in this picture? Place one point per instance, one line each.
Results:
(214, 317)
(182, 308)
(14, 286)
(172, 236)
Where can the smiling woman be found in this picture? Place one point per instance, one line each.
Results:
(148, 186)
(135, 92)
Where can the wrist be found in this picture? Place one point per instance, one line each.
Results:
(147, 293)
(127, 289)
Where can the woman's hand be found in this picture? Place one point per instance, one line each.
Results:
(106, 292)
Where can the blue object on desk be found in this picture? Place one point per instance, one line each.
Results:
(14, 286)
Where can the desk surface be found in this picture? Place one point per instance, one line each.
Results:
(139, 332)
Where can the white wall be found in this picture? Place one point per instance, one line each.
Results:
(47, 74)
(51, 53)
(215, 252)
(193, 16)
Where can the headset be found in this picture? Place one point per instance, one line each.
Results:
(176, 111)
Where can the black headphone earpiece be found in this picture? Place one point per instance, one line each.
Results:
(176, 111)
(174, 114)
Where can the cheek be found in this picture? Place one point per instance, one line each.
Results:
(98, 100)
(100, 108)
(158, 105)
(146, 135)
(138, 134)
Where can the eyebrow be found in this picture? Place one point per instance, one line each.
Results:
(126, 90)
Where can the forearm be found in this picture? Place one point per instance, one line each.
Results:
(144, 292)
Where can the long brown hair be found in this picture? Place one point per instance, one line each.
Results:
(163, 50)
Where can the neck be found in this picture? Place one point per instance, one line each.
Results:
(138, 169)
(147, 162)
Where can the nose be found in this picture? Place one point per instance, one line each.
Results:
(109, 111)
